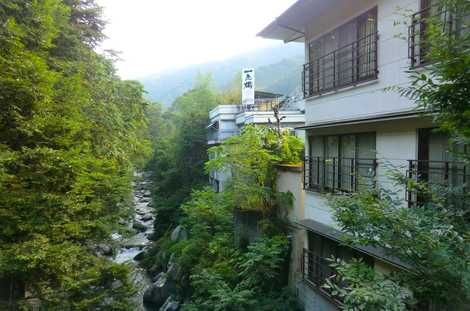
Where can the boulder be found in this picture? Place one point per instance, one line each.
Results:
(174, 271)
(156, 277)
(140, 256)
(158, 293)
(146, 217)
(179, 234)
(139, 226)
(152, 237)
(104, 249)
(116, 284)
(170, 304)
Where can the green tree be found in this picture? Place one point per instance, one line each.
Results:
(71, 133)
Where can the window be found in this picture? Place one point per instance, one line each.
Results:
(438, 165)
(340, 163)
(316, 265)
(453, 23)
(343, 57)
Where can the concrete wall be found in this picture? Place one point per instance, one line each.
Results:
(290, 179)
(369, 99)
(311, 300)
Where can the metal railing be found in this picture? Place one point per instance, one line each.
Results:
(437, 175)
(339, 174)
(267, 104)
(315, 269)
(346, 66)
(217, 135)
(452, 23)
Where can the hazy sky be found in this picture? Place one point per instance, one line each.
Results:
(154, 35)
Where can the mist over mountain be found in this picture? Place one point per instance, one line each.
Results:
(278, 69)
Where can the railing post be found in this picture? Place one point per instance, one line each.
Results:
(339, 174)
(334, 171)
(318, 171)
(334, 69)
(410, 176)
(353, 68)
(318, 76)
(412, 37)
(446, 171)
(352, 186)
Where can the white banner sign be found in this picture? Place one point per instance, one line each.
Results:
(248, 87)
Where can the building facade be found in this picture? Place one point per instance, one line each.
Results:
(226, 121)
(357, 129)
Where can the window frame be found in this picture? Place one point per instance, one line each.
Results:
(337, 166)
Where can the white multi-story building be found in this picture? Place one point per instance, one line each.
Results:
(228, 120)
(357, 129)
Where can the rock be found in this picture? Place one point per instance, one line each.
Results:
(104, 249)
(179, 234)
(170, 305)
(146, 194)
(158, 292)
(152, 237)
(139, 226)
(123, 222)
(139, 256)
(144, 200)
(174, 271)
(116, 284)
(156, 277)
(146, 217)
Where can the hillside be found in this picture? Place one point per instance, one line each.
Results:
(277, 69)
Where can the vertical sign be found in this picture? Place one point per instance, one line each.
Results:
(248, 87)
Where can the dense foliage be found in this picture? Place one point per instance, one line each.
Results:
(217, 274)
(180, 150)
(433, 239)
(252, 156)
(70, 134)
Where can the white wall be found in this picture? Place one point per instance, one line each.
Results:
(370, 99)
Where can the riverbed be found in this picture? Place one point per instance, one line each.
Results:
(137, 243)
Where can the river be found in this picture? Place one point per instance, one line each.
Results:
(133, 245)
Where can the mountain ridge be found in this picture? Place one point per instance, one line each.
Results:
(277, 70)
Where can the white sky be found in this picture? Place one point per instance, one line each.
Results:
(155, 35)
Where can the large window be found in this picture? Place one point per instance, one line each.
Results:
(340, 163)
(316, 264)
(342, 57)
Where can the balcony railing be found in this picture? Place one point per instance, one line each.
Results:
(315, 269)
(438, 175)
(217, 135)
(267, 104)
(339, 174)
(452, 23)
(347, 66)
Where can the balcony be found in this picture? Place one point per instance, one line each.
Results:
(339, 174)
(217, 136)
(438, 175)
(347, 66)
(452, 23)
